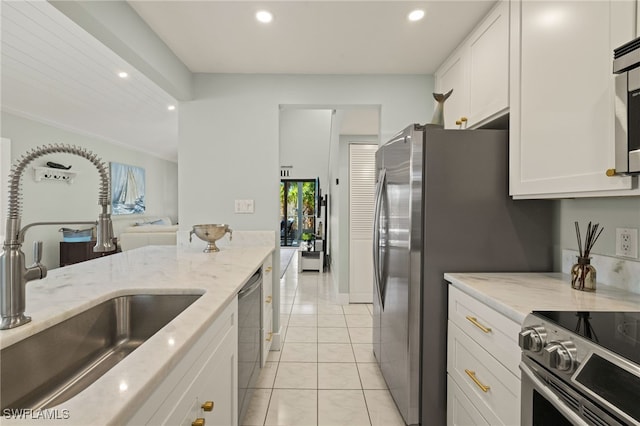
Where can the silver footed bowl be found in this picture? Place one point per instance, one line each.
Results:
(211, 233)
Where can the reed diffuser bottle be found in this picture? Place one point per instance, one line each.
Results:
(583, 274)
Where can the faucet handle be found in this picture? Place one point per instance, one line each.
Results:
(37, 252)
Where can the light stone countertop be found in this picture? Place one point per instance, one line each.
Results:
(515, 295)
(114, 397)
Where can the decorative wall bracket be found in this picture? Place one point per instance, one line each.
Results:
(48, 173)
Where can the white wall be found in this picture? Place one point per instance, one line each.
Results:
(59, 201)
(611, 213)
(304, 143)
(229, 135)
(229, 138)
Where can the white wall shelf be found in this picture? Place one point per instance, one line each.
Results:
(48, 173)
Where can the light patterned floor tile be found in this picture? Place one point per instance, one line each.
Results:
(342, 408)
(267, 375)
(356, 309)
(305, 309)
(293, 407)
(329, 309)
(274, 356)
(360, 335)
(297, 375)
(333, 335)
(370, 376)
(257, 411)
(302, 335)
(364, 352)
(335, 352)
(317, 312)
(332, 375)
(331, 321)
(359, 320)
(382, 409)
(299, 352)
(303, 320)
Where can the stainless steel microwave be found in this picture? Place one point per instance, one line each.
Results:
(626, 66)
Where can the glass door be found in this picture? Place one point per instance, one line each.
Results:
(297, 211)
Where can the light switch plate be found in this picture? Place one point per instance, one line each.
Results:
(244, 206)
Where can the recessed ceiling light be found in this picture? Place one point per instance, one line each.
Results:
(123, 74)
(264, 16)
(416, 15)
(171, 107)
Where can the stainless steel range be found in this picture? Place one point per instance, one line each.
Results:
(581, 368)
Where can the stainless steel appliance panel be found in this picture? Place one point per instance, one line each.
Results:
(442, 206)
(249, 340)
(398, 307)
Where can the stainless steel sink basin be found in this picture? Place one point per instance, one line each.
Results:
(56, 364)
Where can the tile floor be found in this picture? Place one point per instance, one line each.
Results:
(326, 373)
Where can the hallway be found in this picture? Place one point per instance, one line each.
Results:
(326, 373)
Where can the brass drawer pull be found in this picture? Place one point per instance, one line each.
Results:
(268, 339)
(208, 406)
(198, 422)
(268, 299)
(475, 322)
(472, 374)
(268, 269)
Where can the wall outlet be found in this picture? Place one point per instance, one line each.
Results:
(244, 206)
(627, 242)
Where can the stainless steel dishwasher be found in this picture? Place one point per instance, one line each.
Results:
(249, 340)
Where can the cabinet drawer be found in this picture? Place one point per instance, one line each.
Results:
(492, 330)
(460, 411)
(490, 387)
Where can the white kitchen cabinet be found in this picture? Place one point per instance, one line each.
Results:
(460, 411)
(482, 364)
(562, 97)
(478, 73)
(206, 377)
(267, 308)
(452, 74)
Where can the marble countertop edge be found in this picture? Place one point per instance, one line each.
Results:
(153, 270)
(516, 294)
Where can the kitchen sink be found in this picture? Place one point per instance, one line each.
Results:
(56, 364)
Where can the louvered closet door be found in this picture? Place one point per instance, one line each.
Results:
(362, 185)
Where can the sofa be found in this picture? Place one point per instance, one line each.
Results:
(145, 232)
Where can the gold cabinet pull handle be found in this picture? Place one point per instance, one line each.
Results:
(472, 374)
(464, 119)
(268, 269)
(208, 406)
(611, 172)
(268, 339)
(268, 299)
(458, 122)
(475, 322)
(198, 422)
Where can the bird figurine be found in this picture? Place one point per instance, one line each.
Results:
(57, 166)
(438, 114)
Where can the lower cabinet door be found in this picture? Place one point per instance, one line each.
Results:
(460, 411)
(211, 396)
(490, 386)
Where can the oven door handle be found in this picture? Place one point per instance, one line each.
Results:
(551, 397)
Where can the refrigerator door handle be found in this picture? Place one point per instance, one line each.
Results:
(376, 232)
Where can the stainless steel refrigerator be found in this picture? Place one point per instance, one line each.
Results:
(442, 205)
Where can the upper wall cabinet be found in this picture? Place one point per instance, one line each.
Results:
(478, 73)
(562, 97)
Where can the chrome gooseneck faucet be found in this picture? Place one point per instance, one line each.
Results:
(13, 273)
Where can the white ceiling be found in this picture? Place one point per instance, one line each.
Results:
(54, 71)
(312, 37)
